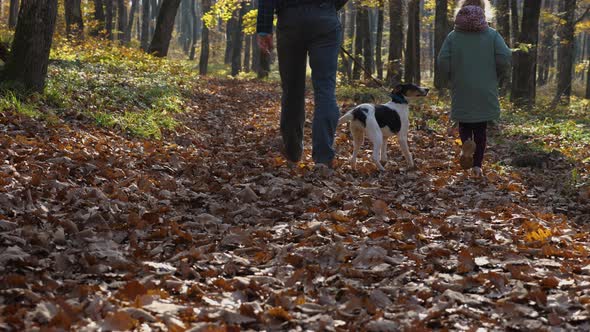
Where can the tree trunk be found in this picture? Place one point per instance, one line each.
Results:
(145, 25)
(164, 26)
(379, 41)
(350, 9)
(362, 18)
(412, 70)
(204, 60)
(367, 45)
(129, 27)
(565, 52)
(109, 18)
(13, 14)
(515, 22)
(524, 78)
(27, 65)
(238, 41)
(195, 27)
(396, 42)
(503, 18)
(546, 47)
(441, 26)
(73, 16)
(99, 17)
(122, 12)
(588, 82)
(229, 35)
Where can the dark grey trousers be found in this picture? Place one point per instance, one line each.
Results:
(312, 30)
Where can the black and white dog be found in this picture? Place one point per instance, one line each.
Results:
(380, 122)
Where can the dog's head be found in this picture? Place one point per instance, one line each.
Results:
(409, 90)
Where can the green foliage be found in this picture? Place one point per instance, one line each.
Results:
(111, 85)
(10, 102)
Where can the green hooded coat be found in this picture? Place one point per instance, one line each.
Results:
(472, 59)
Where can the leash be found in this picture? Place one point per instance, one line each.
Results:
(379, 83)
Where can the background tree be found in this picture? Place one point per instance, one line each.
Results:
(27, 64)
(13, 14)
(98, 17)
(379, 39)
(396, 38)
(565, 51)
(441, 26)
(412, 69)
(204, 58)
(164, 26)
(546, 41)
(109, 15)
(145, 25)
(525, 63)
(129, 26)
(238, 41)
(122, 21)
(73, 16)
(503, 20)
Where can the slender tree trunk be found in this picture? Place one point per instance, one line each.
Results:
(588, 81)
(546, 48)
(145, 25)
(565, 52)
(412, 71)
(503, 21)
(396, 42)
(441, 26)
(344, 63)
(515, 22)
(122, 12)
(379, 41)
(350, 36)
(109, 18)
(359, 44)
(195, 27)
(73, 16)
(238, 41)
(204, 59)
(13, 14)
(524, 79)
(27, 64)
(99, 17)
(129, 27)
(367, 46)
(164, 26)
(229, 37)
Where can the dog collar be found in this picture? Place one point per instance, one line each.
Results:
(399, 99)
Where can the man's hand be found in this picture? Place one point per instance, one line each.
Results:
(265, 43)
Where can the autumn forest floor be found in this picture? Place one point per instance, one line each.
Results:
(151, 198)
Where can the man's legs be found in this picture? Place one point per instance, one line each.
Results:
(292, 67)
(323, 60)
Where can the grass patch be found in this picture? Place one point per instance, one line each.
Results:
(112, 85)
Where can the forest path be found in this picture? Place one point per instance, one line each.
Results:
(209, 229)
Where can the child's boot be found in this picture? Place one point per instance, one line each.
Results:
(466, 157)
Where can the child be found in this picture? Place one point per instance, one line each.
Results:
(472, 58)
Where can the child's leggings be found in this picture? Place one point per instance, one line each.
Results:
(477, 133)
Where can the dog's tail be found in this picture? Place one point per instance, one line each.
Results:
(346, 117)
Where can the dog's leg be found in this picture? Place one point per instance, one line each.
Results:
(358, 138)
(403, 142)
(384, 150)
(375, 135)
